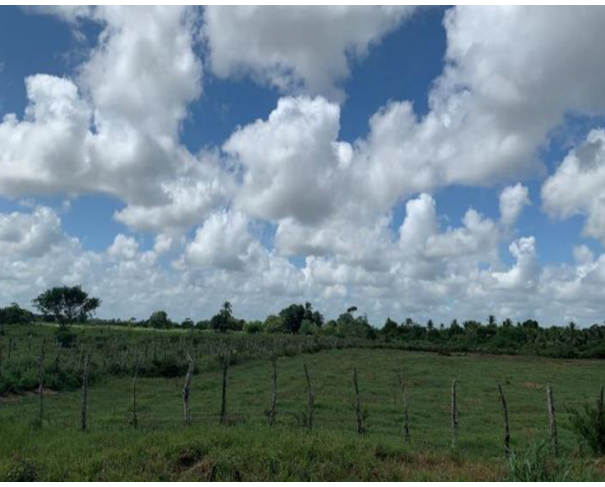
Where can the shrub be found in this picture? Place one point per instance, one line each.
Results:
(536, 465)
(308, 328)
(589, 425)
(65, 336)
(21, 470)
(253, 327)
(275, 324)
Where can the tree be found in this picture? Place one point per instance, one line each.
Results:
(295, 314)
(389, 328)
(15, 315)
(274, 324)
(66, 304)
(224, 320)
(293, 317)
(159, 319)
(187, 323)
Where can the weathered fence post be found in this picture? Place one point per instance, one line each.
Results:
(554, 440)
(357, 404)
(58, 357)
(506, 428)
(41, 382)
(272, 411)
(135, 419)
(406, 418)
(29, 344)
(600, 407)
(454, 414)
(310, 400)
(225, 364)
(85, 376)
(185, 393)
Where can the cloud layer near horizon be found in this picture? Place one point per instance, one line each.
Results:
(226, 221)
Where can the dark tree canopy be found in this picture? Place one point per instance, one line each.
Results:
(66, 304)
(294, 315)
(15, 315)
(224, 320)
(159, 319)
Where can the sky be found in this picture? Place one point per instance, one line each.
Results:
(413, 162)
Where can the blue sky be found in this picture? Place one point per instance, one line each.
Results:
(210, 156)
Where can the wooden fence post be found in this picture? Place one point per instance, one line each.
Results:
(600, 407)
(454, 415)
(224, 391)
(310, 400)
(272, 411)
(406, 418)
(85, 376)
(506, 427)
(135, 419)
(554, 440)
(185, 393)
(358, 412)
(58, 357)
(41, 382)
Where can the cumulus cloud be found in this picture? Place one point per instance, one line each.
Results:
(512, 201)
(291, 161)
(223, 241)
(295, 48)
(330, 202)
(96, 133)
(578, 185)
(29, 234)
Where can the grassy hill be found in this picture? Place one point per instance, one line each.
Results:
(246, 447)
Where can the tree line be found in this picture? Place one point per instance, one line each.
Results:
(67, 305)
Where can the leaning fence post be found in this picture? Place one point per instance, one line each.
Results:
(454, 415)
(185, 393)
(310, 399)
(357, 404)
(85, 376)
(553, 421)
(41, 382)
(506, 428)
(272, 411)
(224, 391)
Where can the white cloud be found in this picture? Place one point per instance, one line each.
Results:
(29, 234)
(295, 48)
(123, 247)
(512, 201)
(510, 77)
(223, 241)
(291, 162)
(578, 185)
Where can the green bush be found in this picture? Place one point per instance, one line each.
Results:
(21, 470)
(253, 327)
(65, 336)
(589, 425)
(536, 465)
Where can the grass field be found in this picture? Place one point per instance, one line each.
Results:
(247, 448)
